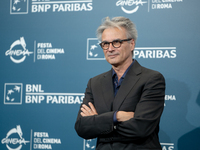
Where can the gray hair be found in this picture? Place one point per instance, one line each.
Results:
(118, 22)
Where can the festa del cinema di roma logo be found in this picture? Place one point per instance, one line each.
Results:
(18, 51)
(127, 4)
(39, 140)
(11, 139)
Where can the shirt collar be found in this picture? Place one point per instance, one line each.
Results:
(114, 73)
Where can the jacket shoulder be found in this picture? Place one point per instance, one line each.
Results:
(145, 72)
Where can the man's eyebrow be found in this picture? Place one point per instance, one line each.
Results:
(112, 41)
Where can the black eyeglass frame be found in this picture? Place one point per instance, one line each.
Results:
(120, 41)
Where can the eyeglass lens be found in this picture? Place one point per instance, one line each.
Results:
(115, 43)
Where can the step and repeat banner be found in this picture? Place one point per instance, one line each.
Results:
(49, 51)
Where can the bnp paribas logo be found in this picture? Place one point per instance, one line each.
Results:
(130, 6)
(94, 50)
(18, 6)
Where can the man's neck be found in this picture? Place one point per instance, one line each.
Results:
(120, 69)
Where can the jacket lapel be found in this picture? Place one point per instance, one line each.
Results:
(128, 83)
(107, 88)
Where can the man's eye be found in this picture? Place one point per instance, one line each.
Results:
(106, 43)
(116, 42)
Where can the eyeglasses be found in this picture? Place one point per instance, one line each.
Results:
(116, 44)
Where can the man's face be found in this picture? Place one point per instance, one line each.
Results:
(123, 54)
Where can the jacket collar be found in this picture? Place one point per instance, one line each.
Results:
(128, 83)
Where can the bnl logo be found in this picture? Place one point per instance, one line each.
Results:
(19, 6)
(13, 93)
(89, 144)
(94, 50)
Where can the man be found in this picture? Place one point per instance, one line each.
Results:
(122, 107)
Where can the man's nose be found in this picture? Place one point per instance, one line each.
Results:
(110, 47)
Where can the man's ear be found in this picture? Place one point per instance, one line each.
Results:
(132, 42)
